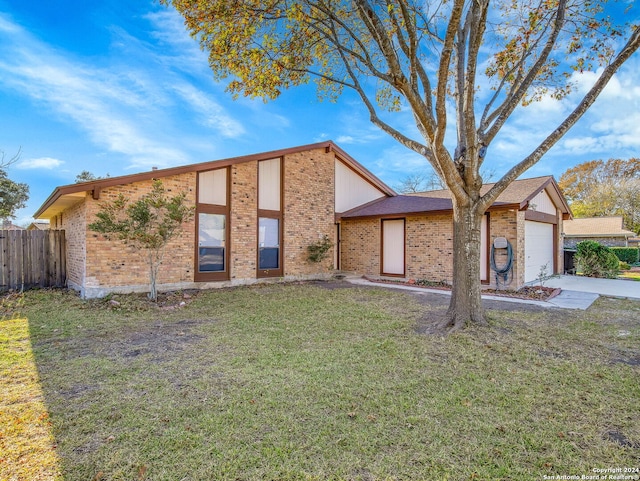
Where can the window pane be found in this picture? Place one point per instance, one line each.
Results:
(211, 242)
(269, 257)
(211, 259)
(269, 243)
(269, 232)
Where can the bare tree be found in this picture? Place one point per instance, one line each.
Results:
(13, 195)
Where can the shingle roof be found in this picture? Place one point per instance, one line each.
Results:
(404, 204)
(517, 194)
(596, 227)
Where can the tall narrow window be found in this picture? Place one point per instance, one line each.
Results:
(212, 242)
(270, 256)
(269, 243)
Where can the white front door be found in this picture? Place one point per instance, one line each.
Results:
(484, 254)
(393, 247)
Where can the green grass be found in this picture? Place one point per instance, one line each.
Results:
(298, 382)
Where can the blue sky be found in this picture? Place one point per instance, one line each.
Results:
(118, 87)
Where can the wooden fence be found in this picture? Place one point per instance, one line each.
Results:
(32, 258)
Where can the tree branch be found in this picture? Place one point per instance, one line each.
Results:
(630, 47)
(515, 96)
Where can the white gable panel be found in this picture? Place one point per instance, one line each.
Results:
(212, 187)
(269, 184)
(352, 190)
(543, 203)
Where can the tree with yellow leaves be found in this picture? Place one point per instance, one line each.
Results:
(428, 57)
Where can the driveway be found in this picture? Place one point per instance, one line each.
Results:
(605, 287)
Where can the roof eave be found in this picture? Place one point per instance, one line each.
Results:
(99, 184)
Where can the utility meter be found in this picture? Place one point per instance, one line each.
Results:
(500, 243)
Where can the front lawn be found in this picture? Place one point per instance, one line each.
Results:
(315, 382)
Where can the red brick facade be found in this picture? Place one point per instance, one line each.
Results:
(429, 245)
(309, 192)
(98, 266)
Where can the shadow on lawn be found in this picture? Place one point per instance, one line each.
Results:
(134, 391)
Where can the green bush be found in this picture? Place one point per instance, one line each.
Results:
(629, 255)
(318, 251)
(596, 260)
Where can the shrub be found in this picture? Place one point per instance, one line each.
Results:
(596, 260)
(627, 254)
(318, 251)
(624, 266)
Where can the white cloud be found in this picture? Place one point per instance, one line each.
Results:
(46, 163)
(395, 163)
(122, 109)
(211, 112)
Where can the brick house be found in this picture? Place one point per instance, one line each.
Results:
(608, 231)
(411, 236)
(256, 215)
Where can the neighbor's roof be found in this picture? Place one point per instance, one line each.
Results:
(517, 195)
(65, 196)
(518, 192)
(596, 227)
(39, 225)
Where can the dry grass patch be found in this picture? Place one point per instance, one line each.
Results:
(301, 382)
(27, 446)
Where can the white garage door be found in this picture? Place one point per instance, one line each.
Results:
(538, 249)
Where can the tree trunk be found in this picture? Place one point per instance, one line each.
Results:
(154, 265)
(466, 303)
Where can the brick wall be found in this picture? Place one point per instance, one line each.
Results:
(508, 224)
(244, 220)
(73, 221)
(98, 264)
(560, 246)
(360, 246)
(572, 242)
(109, 263)
(308, 209)
(429, 245)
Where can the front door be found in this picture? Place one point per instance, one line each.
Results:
(393, 247)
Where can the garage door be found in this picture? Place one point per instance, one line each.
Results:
(538, 249)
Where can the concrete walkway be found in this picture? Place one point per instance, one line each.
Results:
(604, 287)
(577, 292)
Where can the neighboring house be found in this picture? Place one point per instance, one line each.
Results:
(607, 231)
(411, 235)
(8, 225)
(38, 226)
(256, 215)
